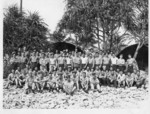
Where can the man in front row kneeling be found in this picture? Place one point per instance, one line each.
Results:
(94, 83)
(69, 86)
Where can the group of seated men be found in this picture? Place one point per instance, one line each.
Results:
(70, 72)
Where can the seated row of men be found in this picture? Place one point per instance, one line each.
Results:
(71, 80)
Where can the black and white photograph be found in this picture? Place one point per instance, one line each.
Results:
(75, 54)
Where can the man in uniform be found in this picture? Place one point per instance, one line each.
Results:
(61, 61)
(75, 79)
(50, 82)
(76, 61)
(33, 60)
(113, 60)
(22, 60)
(60, 81)
(94, 83)
(68, 62)
(11, 79)
(91, 61)
(17, 80)
(56, 54)
(84, 82)
(52, 62)
(13, 61)
(129, 80)
(69, 86)
(22, 78)
(39, 81)
(130, 63)
(30, 83)
(98, 60)
(121, 79)
(121, 63)
(42, 60)
(140, 80)
(106, 62)
(84, 61)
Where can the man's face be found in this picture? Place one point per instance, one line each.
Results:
(37, 53)
(94, 76)
(52, 56)
(138, 73)
(75, 69)
(83, 55)
(128, 73)
(14, 55)
(34, 53)
(74, 74)
(22, 71)
(33, 73)
(90, 55)
(104, 68)
(68, 78)
(97, 68)
(30, 72)
(111, 68)
(24, 48)
(50, 75)
(129, 56)
(134, 71)
(84, 74)
(36, 68)
(88, 68)
(12, 71)
(22, 54)
(121, 72)
(69, 69)
(60, 68)
(113, 55)
(121, 56)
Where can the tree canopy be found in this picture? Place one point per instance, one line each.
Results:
(23, 29)
(100, 21)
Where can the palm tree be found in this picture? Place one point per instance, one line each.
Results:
(13, 27)
(137, 23)
(23, 29)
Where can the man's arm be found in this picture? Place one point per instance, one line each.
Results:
(93, 63)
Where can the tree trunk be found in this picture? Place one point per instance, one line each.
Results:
(110, 48)
(104, 41)
(137, 49)
(99, 45)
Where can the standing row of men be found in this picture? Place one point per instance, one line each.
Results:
(72, 59)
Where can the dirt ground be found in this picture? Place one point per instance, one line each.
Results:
(108, 98)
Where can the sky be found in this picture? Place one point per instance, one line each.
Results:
(50, 10)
